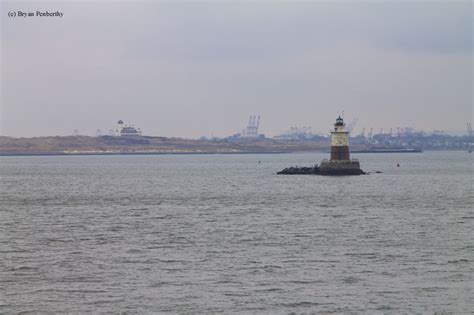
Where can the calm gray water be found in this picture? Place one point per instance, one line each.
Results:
(223, 233)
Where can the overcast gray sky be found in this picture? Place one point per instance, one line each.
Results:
(198, 68)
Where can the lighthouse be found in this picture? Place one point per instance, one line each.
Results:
(340, 141)
(340, 162)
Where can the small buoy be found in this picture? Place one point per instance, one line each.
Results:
(259, 162)
(398, 165)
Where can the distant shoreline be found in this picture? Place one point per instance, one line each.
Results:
(17, 154)
(135, 153)
(108, 145)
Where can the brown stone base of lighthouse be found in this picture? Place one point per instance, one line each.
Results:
(340, 167)
(340, 153)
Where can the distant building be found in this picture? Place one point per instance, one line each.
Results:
(296, 133)
(124, 130)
